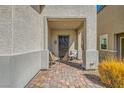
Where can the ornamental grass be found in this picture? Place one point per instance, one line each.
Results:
(112, 72)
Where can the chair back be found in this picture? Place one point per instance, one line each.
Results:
(73, 53)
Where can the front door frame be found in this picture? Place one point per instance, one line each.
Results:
(68, 42)
(121, 46)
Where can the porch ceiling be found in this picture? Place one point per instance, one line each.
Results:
(65, 23)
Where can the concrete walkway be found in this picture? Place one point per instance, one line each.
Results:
(66, 75)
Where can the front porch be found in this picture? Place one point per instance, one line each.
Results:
(65, 34)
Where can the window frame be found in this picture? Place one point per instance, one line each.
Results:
(102, 37)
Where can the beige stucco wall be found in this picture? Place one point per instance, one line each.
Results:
(54, 37)
(5, 30)
(20, 30)
(110, 21)
(20, 45)
(26, 29)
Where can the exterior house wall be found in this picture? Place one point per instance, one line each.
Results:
(24, 40)
(20, 52)
(5, 44)
(26, 44)
(5, 30)
(110, 21)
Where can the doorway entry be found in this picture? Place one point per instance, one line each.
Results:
(122, 47)
(63, 45)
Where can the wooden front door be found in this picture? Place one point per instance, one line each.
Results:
(63, 45)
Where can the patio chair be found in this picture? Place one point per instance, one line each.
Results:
(72, 54)
(52, 58)
(65, 58)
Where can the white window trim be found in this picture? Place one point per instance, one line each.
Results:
(106, 36)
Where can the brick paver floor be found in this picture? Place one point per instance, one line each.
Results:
(66, 75)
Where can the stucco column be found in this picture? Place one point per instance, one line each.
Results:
(79, 43)
(90, 52)
(45, 34)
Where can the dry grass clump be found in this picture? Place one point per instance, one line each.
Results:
(112, 72)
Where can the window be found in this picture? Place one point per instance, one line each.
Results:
(104, 42)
